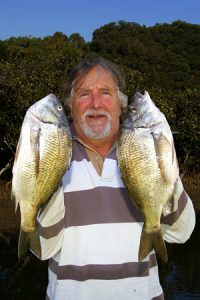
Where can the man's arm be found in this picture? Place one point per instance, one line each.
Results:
(178, 226)
(51, 225)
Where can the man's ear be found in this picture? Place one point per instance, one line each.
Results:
(69, 104)
(68, 109)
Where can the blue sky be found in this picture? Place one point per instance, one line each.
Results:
(40, 18)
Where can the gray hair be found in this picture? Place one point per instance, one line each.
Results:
(82, 69)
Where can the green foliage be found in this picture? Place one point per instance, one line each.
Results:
(166, 54)
(187, 125)
(162, 59)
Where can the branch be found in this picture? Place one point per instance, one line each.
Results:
(9, 145)
(8, 165)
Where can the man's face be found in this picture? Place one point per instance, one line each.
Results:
(95, 106)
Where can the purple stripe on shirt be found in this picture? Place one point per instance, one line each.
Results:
(103, 272)
(100, 205)
(173, 217)
(51, 231)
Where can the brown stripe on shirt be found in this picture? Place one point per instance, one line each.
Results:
(103, 272)
(100, 205)
(78, 151)
(88, 207)
(173, 217)
(51, 231)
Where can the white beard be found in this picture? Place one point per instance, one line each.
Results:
(96, 134)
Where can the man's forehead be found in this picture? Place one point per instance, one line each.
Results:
(99, 84)
(97, 76)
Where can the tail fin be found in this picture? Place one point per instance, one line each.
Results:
(28, 240)
(150, 241)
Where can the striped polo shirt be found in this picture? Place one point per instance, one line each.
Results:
(90, 232)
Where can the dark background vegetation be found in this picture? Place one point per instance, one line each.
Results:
(163, 59)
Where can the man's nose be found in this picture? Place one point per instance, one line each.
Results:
(96, 100)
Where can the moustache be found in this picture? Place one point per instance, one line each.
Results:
(95, 113)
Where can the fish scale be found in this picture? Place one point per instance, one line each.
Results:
(42, 185)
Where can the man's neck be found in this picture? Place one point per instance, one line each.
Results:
(101, 146)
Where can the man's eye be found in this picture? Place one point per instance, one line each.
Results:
(84, 94)
(105, 92)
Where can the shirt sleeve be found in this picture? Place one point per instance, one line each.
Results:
(179, 224)
(50, 222)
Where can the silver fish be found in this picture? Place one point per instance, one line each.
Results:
(147, 161)
(43, 154)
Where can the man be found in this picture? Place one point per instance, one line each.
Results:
(90, 230)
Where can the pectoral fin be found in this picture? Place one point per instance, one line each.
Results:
(168, 207)
(35, 146)
(165, 156)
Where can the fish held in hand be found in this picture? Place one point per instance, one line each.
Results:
(43, 154)
(149, 169)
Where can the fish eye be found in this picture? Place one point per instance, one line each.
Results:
(133, 109)
(59, 108)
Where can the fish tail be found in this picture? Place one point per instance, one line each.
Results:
(29, 240)
(150, 241)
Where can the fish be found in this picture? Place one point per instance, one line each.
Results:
(43, 154)
(149, 169)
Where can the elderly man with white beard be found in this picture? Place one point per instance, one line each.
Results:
(90, 229)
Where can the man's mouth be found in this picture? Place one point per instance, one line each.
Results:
(96, 119)
(96, 116)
